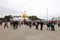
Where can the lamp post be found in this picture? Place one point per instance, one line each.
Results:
(47, 14)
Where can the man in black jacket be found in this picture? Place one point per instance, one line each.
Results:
(41, 25)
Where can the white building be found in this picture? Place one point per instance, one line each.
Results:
(19, 18)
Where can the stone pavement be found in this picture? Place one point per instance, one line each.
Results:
(25, 33)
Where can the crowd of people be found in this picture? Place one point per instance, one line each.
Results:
(50, 25)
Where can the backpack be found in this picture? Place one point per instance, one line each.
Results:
(52, 24)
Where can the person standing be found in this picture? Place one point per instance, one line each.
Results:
(5, 24)
(48, 25)
(41, 25)
(15, 24)
(52, 26)
(37, 24)
(30, 24)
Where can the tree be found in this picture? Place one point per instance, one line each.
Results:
(8, 17)
(33, 17)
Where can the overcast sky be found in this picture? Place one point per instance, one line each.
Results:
(34, 7)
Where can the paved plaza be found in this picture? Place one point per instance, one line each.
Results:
(25, 33)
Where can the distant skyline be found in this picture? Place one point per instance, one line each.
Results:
(33, 7)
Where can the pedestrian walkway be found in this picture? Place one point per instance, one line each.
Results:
(25, 33)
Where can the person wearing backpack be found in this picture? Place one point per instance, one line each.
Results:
(48, 25)
(52, 26)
